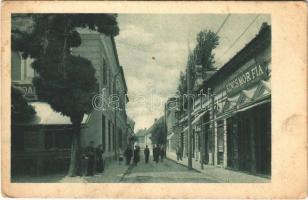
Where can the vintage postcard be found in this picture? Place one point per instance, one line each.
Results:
(154, 99)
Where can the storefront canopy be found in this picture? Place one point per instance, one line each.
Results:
(170, 136)
(45, 115)
(198, 117)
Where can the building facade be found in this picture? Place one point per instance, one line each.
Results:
(47, 139)
(231, 118)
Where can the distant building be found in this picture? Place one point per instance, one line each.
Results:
(143, 138)
(172, 109)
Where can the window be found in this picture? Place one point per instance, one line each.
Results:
(110, 83)
(113, 137)
(103, 132)
(109, 135)
(60, 139)
(120, 138)
(105, 71)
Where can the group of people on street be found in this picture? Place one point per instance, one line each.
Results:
(92, 159)
(158, 152)
(129, 154)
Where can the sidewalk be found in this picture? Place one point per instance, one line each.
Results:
(220, 174)
(112, 174)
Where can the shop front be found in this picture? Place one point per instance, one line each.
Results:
(249, 140)
(237, 129)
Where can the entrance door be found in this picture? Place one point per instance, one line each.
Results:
(263, 140)
(220, 143)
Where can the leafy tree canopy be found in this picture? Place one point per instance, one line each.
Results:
(158, 132)
(65, 81)
(202, 55)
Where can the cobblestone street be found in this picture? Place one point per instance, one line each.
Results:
(163, 172)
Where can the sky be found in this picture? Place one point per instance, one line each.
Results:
(153, 49)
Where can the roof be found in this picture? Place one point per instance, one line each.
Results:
(45, 115)
(118, 62)
(262, 39)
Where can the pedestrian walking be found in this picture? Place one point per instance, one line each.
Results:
(162, 153)
(146, 154)
(157, 153)
(90, 154)
(84, 163)
(128, 155)
(177, 151)
(154, 152)
(136, 155)
(99, 158)
(181, 152)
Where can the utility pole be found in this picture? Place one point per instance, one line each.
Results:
(166, 128)
(189, 113)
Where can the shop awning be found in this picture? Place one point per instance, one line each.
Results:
(170, 136)
(198, 117)
(185, 129)
(45, 115)
(253, 105)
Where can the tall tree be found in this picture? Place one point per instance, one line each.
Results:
(203, 56)
(65, 81)
(157, 132)
(207, 41)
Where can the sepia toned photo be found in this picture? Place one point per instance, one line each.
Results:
(168, 100)
(113, 98)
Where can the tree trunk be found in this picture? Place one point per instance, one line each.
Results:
(75, 162)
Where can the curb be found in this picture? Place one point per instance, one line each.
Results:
(200, 171)
(128, 170)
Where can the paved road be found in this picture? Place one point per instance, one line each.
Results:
(163, 172)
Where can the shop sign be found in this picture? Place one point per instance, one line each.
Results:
(28, 90)
(246, 78)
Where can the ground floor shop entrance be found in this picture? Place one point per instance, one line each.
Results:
(249, 140)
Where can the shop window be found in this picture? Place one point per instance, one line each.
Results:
(17, 140)
(63, 139)
(105, 71)
(58, 139)
(220, 141)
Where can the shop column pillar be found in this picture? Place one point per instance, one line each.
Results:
(252, 143)
(215, 144)
(225, 164)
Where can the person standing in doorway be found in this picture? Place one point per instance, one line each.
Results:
(146, 154)
(178, 154)
(181, 152)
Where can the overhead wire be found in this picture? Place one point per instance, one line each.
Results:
(241, 35)
(223, 23)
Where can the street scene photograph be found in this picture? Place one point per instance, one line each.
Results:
(140, 98)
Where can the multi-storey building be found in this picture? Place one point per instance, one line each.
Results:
(47, 138)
